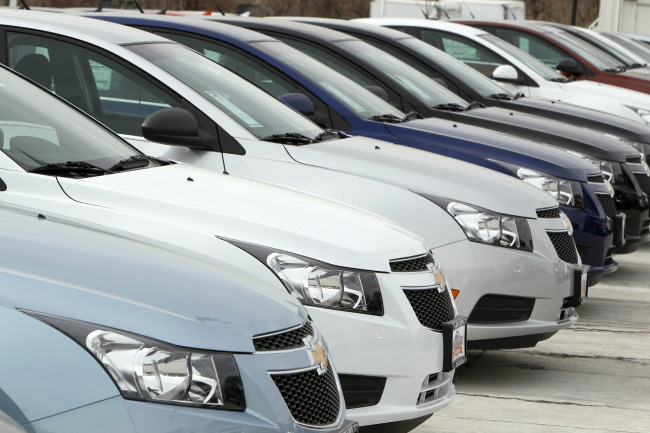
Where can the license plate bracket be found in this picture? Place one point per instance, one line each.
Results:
(454, 333)
(580, 287)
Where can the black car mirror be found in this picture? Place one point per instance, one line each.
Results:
(175, 126)
(569, 65)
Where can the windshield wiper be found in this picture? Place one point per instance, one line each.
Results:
(559, 80)
(519, 95)
(136, 161)
(452, 106)
(74, 169)
(412, 115)
(330, 134)
(637, 65)
(502, 96)
(289, 137)
(387, 118)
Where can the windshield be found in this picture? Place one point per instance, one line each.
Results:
(402, 75)
(255, 110)
(593, 55)
(38, 129)
(539, 67)
(460, 71)
(355, 97)
(630, 45)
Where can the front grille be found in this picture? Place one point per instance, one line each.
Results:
(633, 159)
(644, 181)
(609, 206)
(283, 340)
(553, 212)
(565, 246)
(312, 399)
(411, 264)
(595, 178)
(501, 309)
(431, 307)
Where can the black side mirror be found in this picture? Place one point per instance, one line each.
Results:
(175, 126)
(569, 65)
(299, 102)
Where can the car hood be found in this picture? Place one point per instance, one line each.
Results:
(229, 206)
(559, 134)
(64, 268)
(425, 172)
(627, 97)
(486, 144)
(618, 126)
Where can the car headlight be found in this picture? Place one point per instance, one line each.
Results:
(643, 114)
(605, 167)
(150, 370)
(320, 284)
(487, 227)
(566, 192)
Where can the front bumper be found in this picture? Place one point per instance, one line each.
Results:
(394, 349)
(537, 283)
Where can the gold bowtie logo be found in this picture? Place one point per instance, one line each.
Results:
(319, 356)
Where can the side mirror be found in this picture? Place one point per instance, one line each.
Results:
(378, 91)
(175, 126)
(569, 65)
(505, 73)
(299, 102)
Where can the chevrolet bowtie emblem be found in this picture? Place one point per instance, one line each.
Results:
(319, 357)
(438, 276)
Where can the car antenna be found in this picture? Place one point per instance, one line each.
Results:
(99, 8)
(25, 6)
(220, 10)
(138, 6)
(162, 12)
(468, 10)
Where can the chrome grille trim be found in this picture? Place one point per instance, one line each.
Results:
(411, 264)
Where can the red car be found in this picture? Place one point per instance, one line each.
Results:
(566, 53)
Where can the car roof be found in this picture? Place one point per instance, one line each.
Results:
(292, 28)
(186, 23)
(76, 26)
(418, 22)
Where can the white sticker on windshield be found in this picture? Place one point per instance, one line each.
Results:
(342, 96)
(232, 108)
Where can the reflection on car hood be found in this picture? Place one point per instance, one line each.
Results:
(426, 172)
(73, 271)
(233, 207)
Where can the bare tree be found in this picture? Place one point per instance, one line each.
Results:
(427, 7)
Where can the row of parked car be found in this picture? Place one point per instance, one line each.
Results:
(301, 226)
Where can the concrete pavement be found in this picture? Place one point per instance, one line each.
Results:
(593, 377)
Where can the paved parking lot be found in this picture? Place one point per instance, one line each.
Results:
(593, 377)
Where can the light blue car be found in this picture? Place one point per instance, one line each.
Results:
(104, 334)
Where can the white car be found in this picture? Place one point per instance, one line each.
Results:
(542, 303)
(382, 316)
(505, 63)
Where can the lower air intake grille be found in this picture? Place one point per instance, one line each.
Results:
(283, 340)
(553, 212)
(431, 307)
(609, 206)
(634, 159)
(595, 178)
(565, 246)
(411, 264)
(644, 181)
(313, 400)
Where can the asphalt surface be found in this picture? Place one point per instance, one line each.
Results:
(593, 377)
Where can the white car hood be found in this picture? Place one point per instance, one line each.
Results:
(426, 172)
(229, 206)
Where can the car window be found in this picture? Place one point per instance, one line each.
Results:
(38, 129)
(96, 84)
(532, 44)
